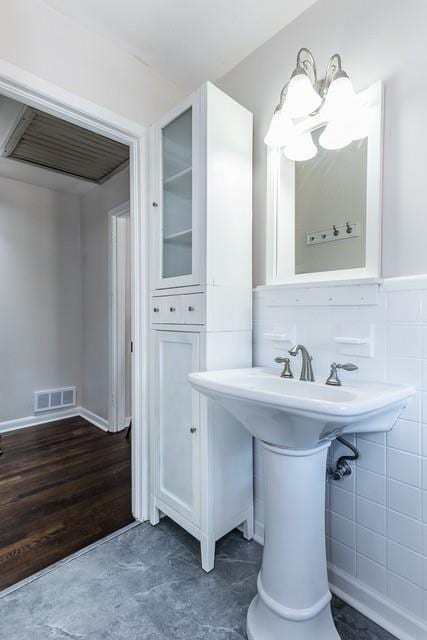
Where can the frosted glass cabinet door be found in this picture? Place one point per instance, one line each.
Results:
(176, 151)
(177, 423)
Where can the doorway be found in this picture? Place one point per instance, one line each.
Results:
(52, 100)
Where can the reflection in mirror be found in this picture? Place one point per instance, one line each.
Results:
(330, 208)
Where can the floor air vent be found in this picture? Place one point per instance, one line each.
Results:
(54, 399)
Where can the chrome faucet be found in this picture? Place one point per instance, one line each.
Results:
(333, 379)
(306, 368)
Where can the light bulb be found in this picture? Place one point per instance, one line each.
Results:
(336, 135)
(301, 98)
(280, 130)
(301, 148)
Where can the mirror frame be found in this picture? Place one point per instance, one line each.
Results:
(280, 267)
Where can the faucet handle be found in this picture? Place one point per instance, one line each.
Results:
(286, 372)
(348, 366)
(333, 379)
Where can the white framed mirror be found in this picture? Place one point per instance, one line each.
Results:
(324, 214)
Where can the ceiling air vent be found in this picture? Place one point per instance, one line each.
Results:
(54, 399)
(43, 140)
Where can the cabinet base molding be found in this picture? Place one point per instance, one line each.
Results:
(243, 521)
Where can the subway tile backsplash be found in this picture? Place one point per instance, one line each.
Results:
(377, 518)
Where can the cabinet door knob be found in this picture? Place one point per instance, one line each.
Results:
(190, 308)
(155, 204)
(156, 310)
(193, 429)
(172, 309)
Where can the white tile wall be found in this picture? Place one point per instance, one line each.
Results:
(377, 518)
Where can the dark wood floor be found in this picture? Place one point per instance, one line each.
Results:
(63, 485)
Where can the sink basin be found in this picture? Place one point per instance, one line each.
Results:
(295, 414)
(296, 422)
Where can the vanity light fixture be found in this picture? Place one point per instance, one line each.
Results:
(305, 96)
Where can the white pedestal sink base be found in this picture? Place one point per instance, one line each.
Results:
(263, 623)
(293, 600)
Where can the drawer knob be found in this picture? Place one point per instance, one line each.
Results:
(172, 309)
(156, 309)
(193, 429)
(155, 204)
(190, 308)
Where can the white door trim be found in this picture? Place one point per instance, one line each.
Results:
(20, 85)
(116, 324)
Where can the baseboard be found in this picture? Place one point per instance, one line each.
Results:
(400, 623)
(93, 418)
(52, 416)
(32, 421)
(381, 610)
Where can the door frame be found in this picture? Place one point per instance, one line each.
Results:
(116, 326)
(26, 87)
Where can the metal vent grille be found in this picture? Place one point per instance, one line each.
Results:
(54, 399)
(43, 140)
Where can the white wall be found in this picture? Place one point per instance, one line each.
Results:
(95, 206)
(379, 40)
(44, 42)
(40, 293)
(377, 518)
(54, 275)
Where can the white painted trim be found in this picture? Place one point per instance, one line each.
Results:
(406, 283)
(311, 285)
(93, 418)
(396, 621)
(53, 416)
(25, 87)
(116, 325)
(280, 266)
(32, 421)
(416, 282)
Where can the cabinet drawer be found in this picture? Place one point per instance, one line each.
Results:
(158, 310)
(182, 309)
(173, 310)
(193, 309)
(166, 310)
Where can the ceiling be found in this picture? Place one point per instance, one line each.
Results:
(44, 140)
(185, 41)
(10, 112)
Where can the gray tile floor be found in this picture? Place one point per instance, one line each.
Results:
(147, 584)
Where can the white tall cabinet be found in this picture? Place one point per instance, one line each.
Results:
(201, 313)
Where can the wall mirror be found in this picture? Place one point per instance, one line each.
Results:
(324, 214)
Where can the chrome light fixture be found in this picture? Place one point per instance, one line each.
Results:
(305, 96)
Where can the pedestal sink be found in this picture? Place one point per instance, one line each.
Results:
(296, 422)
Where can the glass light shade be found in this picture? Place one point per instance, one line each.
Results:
(340, 99)
(301, 98)
(336, 135)
(358, 124)
(301, 148)
(280, 130)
